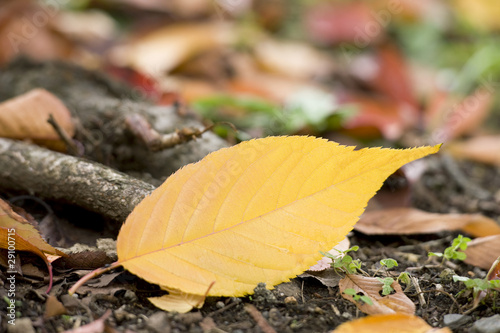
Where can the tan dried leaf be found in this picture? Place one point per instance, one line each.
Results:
(406, 221)
(371, 287)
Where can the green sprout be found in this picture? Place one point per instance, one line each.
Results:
(387, 288)
(478, 285)
(344, 262)
(356, 297)
(452, 252)
(389, 263)
(405, 278)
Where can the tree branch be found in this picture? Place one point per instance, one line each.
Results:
(52, 175)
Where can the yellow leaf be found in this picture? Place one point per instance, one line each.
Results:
(178, 301)
(371, 287)
(397, 322)
(257, 212)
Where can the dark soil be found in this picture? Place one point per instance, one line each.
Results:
(318, 308)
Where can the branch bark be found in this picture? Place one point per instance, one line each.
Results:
(52, 175)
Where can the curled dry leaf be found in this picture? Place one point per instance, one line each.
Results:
(371, 287)
(25, 116)
(11, 220)
(483, 251)
(17, 234)
(482, 149)
(384, 323)
(406, 221)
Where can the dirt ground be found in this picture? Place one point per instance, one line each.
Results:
(447, 186)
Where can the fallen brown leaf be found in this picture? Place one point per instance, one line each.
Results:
(405, 221)
(484, 149)
(483, 251)
(53, 307)
(371, 287)
(25, 116)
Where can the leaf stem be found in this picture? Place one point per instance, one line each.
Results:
(91, 275)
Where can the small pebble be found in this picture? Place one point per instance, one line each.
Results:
(347, 315)
(291, 300)
(455, 321)
(130, 296)
(219, 304)
(447, 275)
(22, 325)
(487, 325)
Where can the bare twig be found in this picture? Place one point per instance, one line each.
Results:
(259, 318)
(419, 291)
(142, 129)
(52, 175)
(70, 144)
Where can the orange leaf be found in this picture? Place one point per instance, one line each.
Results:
(384, 323)
(16, 234)
(371, 287)
(483, 251)
(257, 212)
(11, 220)
(405, 221)
(25, 116)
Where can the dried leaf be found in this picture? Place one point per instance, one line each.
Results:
(164, 49)
(449, 118)
(17, 234)
(484, 149)
(376, 116)
(384, 323)
(178, 301)
(84, 260)
(371, 287)
(25, 116)
(257, 212)
(406, 221)
(302, 61)
(53, 307)
(10, 220)
(483, 251)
